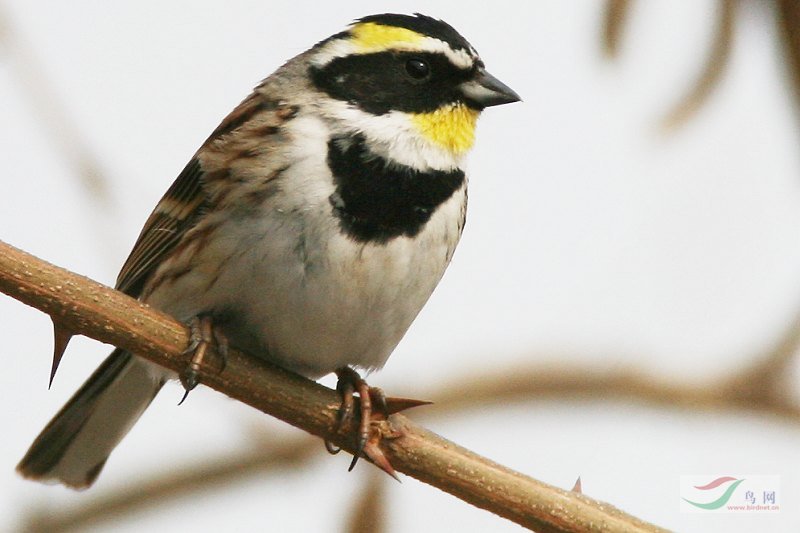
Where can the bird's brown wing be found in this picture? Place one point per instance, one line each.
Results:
(180, 208)
(174, 215)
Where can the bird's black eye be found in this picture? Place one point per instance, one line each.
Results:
(418, 69)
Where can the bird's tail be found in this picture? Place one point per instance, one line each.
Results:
(75, 445)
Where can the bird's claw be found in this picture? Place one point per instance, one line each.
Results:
(373, 406)
(202, 335)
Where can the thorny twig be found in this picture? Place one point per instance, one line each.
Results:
(761, 387)
(85, 307)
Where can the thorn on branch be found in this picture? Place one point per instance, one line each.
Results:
(61, 338)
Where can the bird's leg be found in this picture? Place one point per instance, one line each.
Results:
(203, 334)
(349, 382)
(372, 402)
(373, 406)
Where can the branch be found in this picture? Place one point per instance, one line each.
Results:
(88, 308)
(789, 23)
(368, 514)
(714, 67)
(759, 387)
(614, 19)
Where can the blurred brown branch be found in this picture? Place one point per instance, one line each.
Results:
(88, 308)
(714, 66)
(614, 19)
(368, 514)
(617, 14)
(762, 387)
(789, 20)
(262, 457)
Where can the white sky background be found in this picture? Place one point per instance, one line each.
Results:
(590, 237)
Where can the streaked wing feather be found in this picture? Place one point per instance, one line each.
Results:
(239, 135)
(172, 217)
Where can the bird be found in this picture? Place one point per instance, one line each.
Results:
(309, 229)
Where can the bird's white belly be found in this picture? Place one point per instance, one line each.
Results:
(300, 292)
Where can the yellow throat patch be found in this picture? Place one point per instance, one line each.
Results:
(373, 37)
(452, 127)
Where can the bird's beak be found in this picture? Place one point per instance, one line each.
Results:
(485, 90)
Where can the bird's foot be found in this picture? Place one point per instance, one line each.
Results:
(203, 335)
(373, 405)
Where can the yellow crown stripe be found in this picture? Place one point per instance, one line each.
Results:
(373, 37)
(451, 127)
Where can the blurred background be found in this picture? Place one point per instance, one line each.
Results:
(623, 306)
